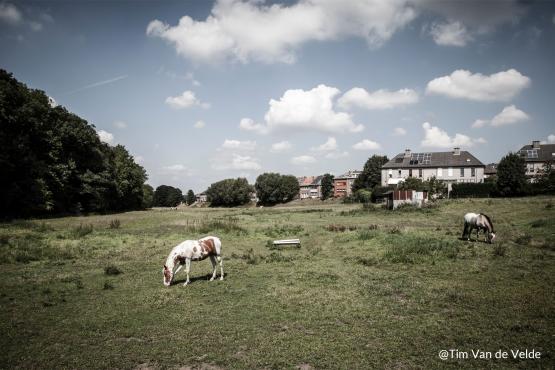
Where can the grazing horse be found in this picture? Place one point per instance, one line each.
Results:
(478, 221)
(193, 250)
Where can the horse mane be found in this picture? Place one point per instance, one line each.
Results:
(489, 221)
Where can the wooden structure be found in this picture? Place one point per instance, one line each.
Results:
(397, 197)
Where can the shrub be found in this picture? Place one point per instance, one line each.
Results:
(115, 224)
(112, 270)
(108, 286)
(82, 230)
(283, 230)
(539, 223)
(229, 193)
(472, 190)
(340, 228)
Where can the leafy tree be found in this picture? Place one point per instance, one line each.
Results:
(190, 197)
(273, 188)
(363, 196)
(229, 193)
(412, 183)
(327, 186)
(371, 173)
(436, 188)
(511, 175)
(167, 196)
(148, 194)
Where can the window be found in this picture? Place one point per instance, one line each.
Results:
(473, 172)
(410, 172)
(532, 153)
(462, 172)
(439, 172)
(399, 173)
(449, 172)
(420, 172)
(390, 173)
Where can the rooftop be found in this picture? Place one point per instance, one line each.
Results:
(538, 152)
(455, 158)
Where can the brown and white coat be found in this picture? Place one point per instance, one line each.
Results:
(193, 250)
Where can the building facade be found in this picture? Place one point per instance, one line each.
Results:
(536, 157)
(449, 167)
(342, 185)
(310, 187)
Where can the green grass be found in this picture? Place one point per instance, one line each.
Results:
(369, 288)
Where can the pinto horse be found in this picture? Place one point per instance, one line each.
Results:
(478, 221)
(193, 250)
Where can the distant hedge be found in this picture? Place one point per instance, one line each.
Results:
(472, 190)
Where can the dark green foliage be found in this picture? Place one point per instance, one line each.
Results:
(273, 188)
(190, 199)
(472, 190)
(413, 183)
(379, 191)
(327, 186)
(362, 196)
(229, 193)
(112, 270)
(511, 175)
(52, 161)
(371, 173)
(148, 195)
(433, 186)
(167, 196)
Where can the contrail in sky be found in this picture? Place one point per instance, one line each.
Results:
(96, 84)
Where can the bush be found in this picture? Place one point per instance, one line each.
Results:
(229, 193)
(112, 270)
(472, 190)
(273, 188)
(82, 230)
(115, 224)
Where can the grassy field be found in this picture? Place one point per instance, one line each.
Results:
(368, 289)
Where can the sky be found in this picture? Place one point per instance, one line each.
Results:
(200, 91)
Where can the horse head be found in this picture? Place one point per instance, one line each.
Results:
(491, 237)
(168, 276)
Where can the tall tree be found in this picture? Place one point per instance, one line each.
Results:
(167, 196)
(273, 188)
(371, 173)
(511, 175)
(190, 197)
(229, 193)
(148, 194)
(327, 186)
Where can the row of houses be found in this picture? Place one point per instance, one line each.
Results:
(451, 167)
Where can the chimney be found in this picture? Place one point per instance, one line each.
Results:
(407, 153)
(536, 144)
(457, 151)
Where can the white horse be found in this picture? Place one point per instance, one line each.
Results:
(478, 221)
(193, 250)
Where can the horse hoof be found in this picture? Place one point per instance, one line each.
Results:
(221, 278)
(186, 284)
(212, 279)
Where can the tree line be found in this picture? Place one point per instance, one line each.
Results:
(53, 162)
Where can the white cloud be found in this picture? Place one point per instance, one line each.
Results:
(280, 147)
(399, 131)
(303, 160)
(105, 137)
(175, 168)
(52, 102)
(337, 154)
(10, 14)
(185, 100)
(251, 30)
(310, 110)
(463, 84)
(199, 124)
(450, 34)
(239, 145)
(380, 99)
(236, 162)
(366, 145)
(248, 124)
(508, 116)
(139, 159)
(35, 26)
(328, 146)
(551, 138)
(120, 124)
(435, 137)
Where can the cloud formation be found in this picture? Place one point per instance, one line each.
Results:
(199, 124)
(185, 100)
(281, 147)
(462, 84)
(328, 146)
(303, 160)
(380, 99)
(310, 110)
(450, 34)
(239, 145)
(510, 115)
(120, 124)
(106, 137)
(236, 155)
(435, 137)
(367, 144)
(399, 131)
(253, 31)
(10, 14)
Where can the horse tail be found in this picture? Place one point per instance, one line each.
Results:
(489, 221)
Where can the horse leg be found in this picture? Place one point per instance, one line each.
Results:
(187, 269)
(464, 230)
(219, 258)
(213, 260)
(178, 268)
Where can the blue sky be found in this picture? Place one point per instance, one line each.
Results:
(200, 91)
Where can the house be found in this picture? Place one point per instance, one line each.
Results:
(342, 185)
(305, 183)
(536, 156)
(490, 170)
(201, 197)
(395, 198)
(310, 187)
(450, 167)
